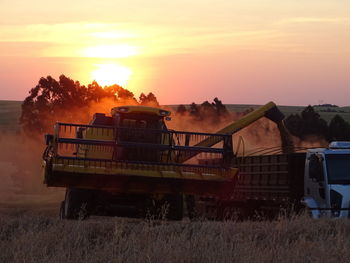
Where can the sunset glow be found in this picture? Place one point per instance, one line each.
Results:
(109, 74)
(110, 51)
(245, 52)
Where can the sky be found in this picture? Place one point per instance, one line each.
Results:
(243, 52)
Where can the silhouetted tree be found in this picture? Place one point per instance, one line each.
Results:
(212, 112)
(208, 111)
(50, 100)
(313, 123)
(339, 129)
(308, 123)
(194, 111)
(294, 123)
(181, 110)
(122, 95)
(149, 100)
(220, 108)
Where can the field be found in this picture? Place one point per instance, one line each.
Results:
(36, 235)
(30, 230)
(10, 112)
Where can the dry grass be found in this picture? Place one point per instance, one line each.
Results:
(40, 237)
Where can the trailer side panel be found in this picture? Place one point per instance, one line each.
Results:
(276, 178)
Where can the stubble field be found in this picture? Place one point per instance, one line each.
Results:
(37, 235)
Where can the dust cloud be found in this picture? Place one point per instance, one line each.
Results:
(266, 137)
(21, 179)
(260, 138)
(21, 175)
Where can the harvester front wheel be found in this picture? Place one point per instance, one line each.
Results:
(175, 203)
(62, 214)
(75, 204)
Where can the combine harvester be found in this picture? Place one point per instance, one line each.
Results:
(130, 164)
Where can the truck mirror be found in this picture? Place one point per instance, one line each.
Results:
(315, 168)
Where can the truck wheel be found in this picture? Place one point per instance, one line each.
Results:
(75, 204)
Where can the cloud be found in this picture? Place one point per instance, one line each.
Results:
(80, 39)
(304, 20)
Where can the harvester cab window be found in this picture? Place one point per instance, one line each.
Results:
(141, 121)
(132, 123)
(144, 129)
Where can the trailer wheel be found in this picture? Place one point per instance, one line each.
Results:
(75, 204)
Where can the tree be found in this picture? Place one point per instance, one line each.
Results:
(308, 123)
(220, 108)
(181, 110)
(313, 123)
(294, 123)
(339, 129)
(64, 99)
(212, 112)
(149, 100)
(208, 111)
(194, 111)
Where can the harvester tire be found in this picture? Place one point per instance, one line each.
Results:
(74, 206)
(62, 215)
(175, 207)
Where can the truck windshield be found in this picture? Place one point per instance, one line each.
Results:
(338, 168)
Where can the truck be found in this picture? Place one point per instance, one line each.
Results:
(131, 164)
(317, 181)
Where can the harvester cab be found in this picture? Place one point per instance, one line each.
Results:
(133, 126)
(139, 125)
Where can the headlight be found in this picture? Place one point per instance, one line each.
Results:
(164, 112)
(123, 109)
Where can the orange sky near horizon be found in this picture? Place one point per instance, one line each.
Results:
(291, 52)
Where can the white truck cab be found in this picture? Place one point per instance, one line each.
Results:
(327, 181)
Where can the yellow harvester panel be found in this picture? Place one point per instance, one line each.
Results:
(93, 151)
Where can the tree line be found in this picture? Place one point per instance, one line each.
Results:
(213, 112)
(309, 122)
(70, 101)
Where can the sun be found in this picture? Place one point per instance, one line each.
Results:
(109, 74)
